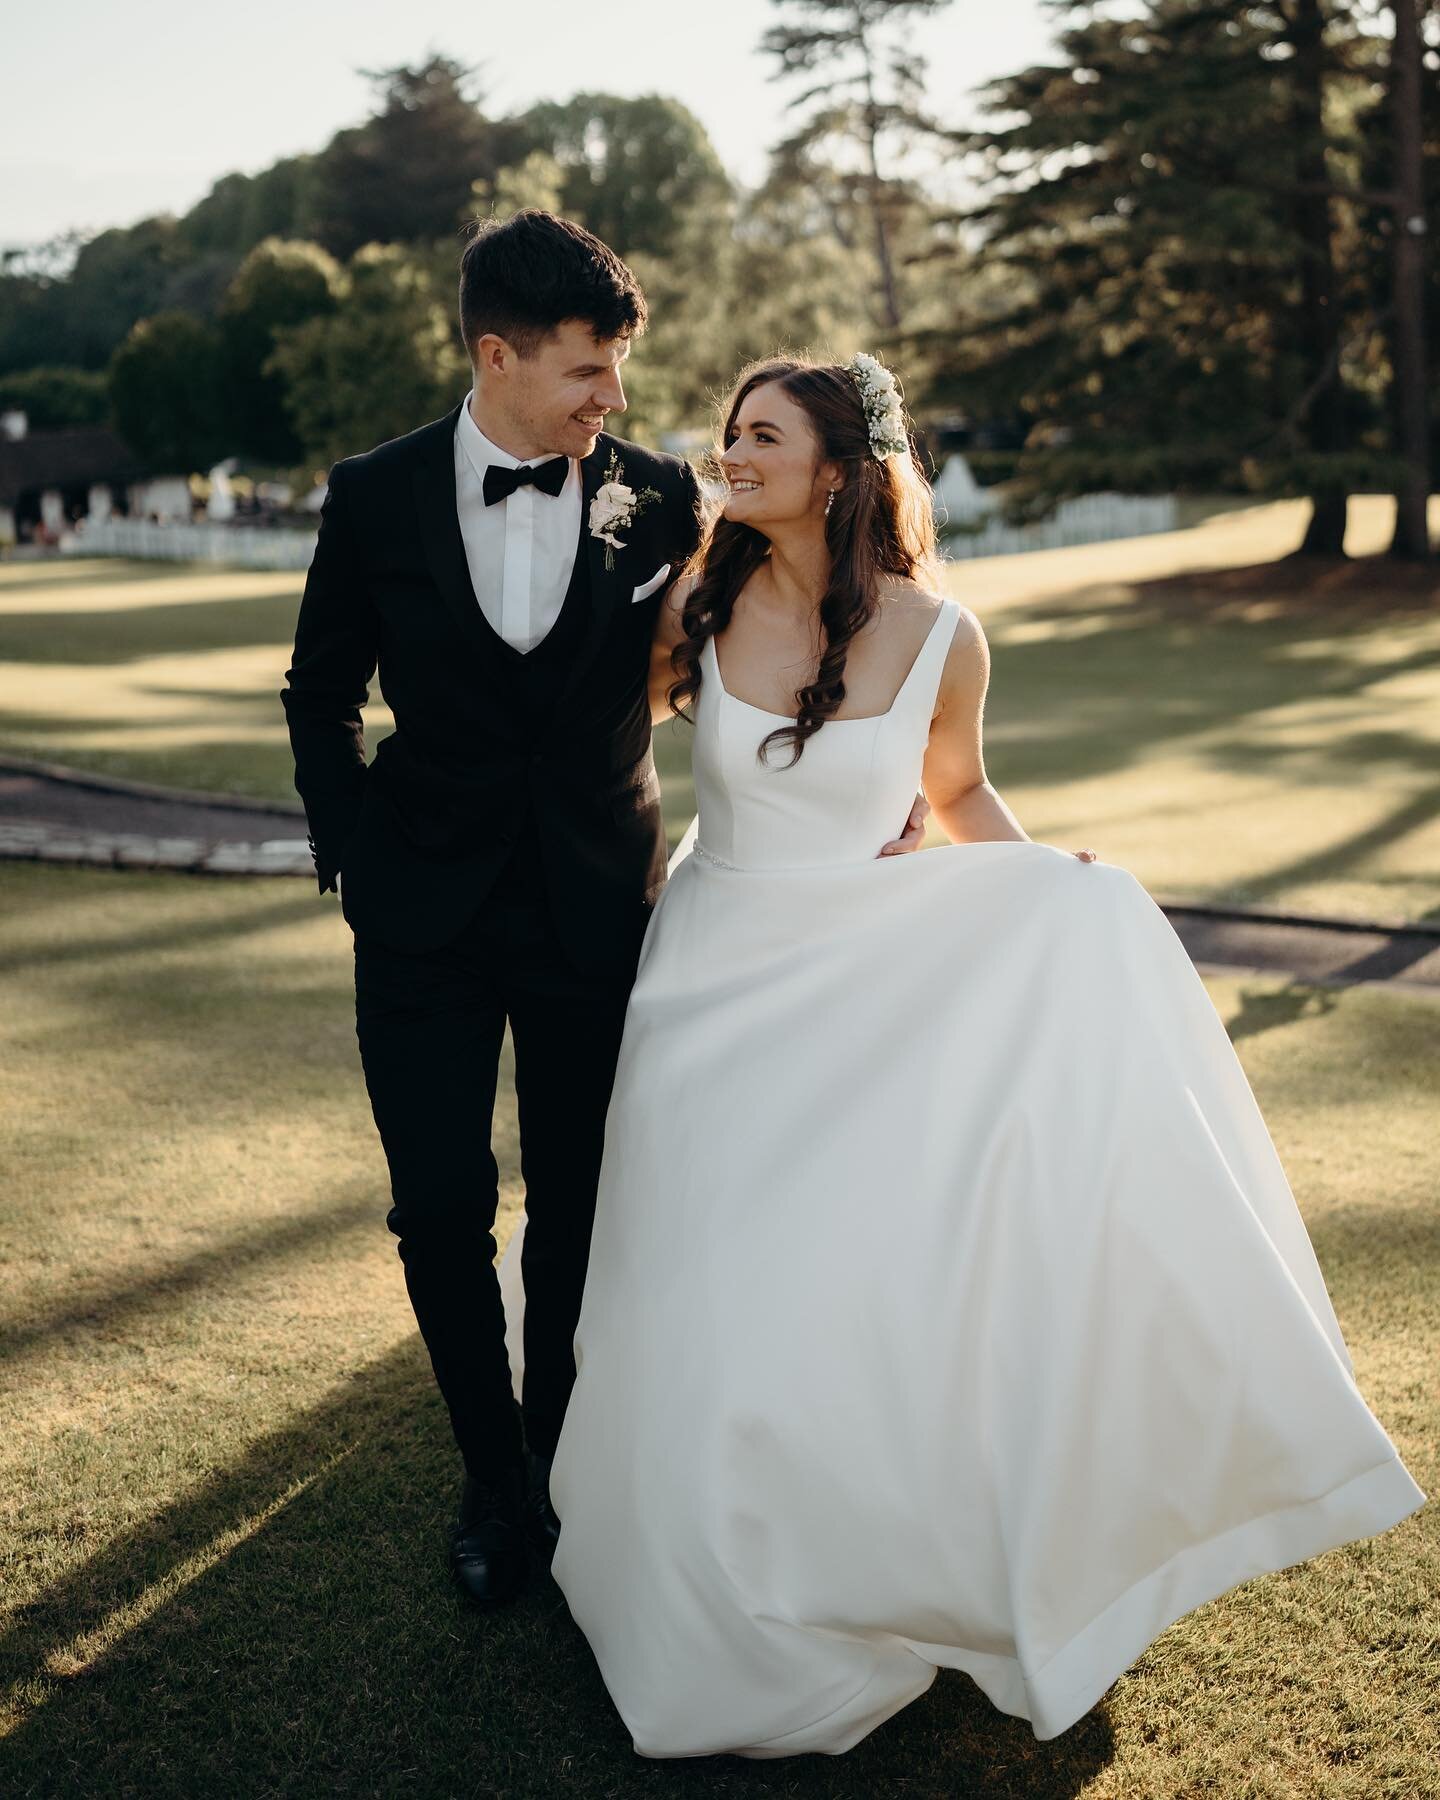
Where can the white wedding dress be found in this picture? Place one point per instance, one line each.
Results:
(947, 1303)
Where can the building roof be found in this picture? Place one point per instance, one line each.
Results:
(64, 459)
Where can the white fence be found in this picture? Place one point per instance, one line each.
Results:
(261, 548)
(1088, 519)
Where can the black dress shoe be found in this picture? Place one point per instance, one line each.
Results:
(487, 1547)
(541, 1524)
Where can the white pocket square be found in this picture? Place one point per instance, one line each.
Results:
(647, 588)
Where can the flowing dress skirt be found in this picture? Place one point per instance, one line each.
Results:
(947, 1305)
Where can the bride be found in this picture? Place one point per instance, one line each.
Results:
(947, 1304)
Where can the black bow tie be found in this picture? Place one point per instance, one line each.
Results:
(549, 477)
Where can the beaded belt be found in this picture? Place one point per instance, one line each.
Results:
(709, 856)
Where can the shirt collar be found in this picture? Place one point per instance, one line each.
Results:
(483, 454)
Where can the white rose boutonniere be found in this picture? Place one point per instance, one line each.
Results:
(616, 505)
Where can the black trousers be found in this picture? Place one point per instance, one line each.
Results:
(430, 1027)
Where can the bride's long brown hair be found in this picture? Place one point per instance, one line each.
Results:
(880, 523)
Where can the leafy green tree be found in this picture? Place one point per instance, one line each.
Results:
(164, 393)
(865, 96)
(386, 360)
(640, 173)
(279, 285)
(54, 397)
(536, 181)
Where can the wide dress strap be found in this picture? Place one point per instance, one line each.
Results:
(916, 700)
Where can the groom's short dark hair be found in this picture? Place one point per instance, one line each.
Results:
(522, 278)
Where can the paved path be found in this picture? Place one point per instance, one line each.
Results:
(68, 817)
(54, 815)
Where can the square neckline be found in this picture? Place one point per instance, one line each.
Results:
(859, 718)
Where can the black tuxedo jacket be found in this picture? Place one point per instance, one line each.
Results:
(419, 834)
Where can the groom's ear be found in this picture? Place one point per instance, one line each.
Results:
(491, 353)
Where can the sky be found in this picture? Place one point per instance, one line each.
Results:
(113, 112)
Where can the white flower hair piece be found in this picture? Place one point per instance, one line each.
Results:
(880, 396)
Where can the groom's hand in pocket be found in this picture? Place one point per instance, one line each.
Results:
(913, 835)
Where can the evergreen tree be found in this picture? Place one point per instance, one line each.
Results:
(405, 176)
(1411, 399)
(1167, 222)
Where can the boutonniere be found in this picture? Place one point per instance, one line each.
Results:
(616, 505)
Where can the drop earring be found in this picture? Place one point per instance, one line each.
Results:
(829, 502)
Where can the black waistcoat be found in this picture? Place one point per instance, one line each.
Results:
(536, 676)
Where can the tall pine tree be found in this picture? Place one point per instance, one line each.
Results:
(1168, 210)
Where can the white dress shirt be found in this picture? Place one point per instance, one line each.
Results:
(521, 550)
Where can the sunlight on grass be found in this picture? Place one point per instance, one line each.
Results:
(70, 587)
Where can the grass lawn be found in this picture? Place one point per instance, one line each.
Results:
(224, 1469)
(1230, 727)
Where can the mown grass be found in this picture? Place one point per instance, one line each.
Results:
(1232, 727)
(224, 1471)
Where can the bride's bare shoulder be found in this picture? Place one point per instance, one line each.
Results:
(914, 606)
(902, 597)
(905, 613)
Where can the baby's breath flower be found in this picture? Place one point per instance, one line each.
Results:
(880, 397)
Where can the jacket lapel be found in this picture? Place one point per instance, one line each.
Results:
(434, 483)
(605, 584)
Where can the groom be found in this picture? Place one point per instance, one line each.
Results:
(500, 857)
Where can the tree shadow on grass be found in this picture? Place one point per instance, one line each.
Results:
(1337, 859)
(1088, 705)
(117, 1309)
(1388, 1248)
(173, 934)
(308, 1642)
(1338, 591)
